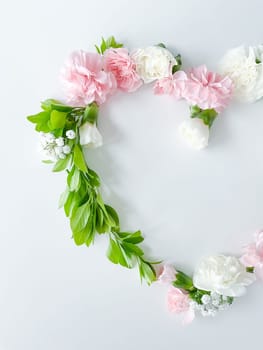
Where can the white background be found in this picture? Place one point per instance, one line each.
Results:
(56, 296)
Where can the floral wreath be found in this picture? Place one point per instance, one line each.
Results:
(67, 128)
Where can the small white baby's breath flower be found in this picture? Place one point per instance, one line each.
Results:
(50, 137)
(58, 150)
(66, 149)
(60, 141)
(71, 134)
(206, 299)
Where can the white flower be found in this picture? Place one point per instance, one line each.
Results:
(195, 132)
(49, 137)
(58, 150)
(71, 134)
(153, 63)
(222, 274)
(206, 299)
(60, 141)
(66, 149)
(90, 136)
(244, 65)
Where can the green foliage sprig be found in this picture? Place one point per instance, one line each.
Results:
(81, 200)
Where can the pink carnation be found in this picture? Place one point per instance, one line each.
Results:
(120, 64)
(179, 303)
(253, 255)
(208, 90)
(167, 274)
(84, 79)
(173, 85)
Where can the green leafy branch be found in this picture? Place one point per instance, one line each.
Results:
(89, 215)
(81, 200)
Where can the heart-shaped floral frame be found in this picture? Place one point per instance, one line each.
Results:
(65, 128)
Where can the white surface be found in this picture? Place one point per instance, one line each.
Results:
(57, 296)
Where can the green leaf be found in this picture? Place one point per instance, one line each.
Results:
(106, 44)
(113, 219)
(86, 235)
(132, 248)
(195, 110)
(91, 113)
(146, 272)
(250, 269)
(71, 203)
(79, 159)
(118, 255)
(183, 281)
(41, 120)
(125, 258)
(62, 164)
(113, 252)
(111, 42)
(206, 115)
(39, 117)
(98, 49)
(134, 238)
(178, 64)
(50, 104)
(63, 198)
(94, 178)
(161, 45)
(103, 46)
(73, 179)
(99, 220)
(57, 119)
(79, 218)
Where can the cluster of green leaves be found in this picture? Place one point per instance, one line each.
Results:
(124, 250)
(54, 117)
(107, 44)
(206, 115)
(183, 281)
(83, 204)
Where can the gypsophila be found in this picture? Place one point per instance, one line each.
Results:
(53, 148)
(70, 134)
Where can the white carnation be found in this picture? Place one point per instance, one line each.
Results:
(153, 63)
(90, 135)
(195, 132)
(244, 66)
(222, 274)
